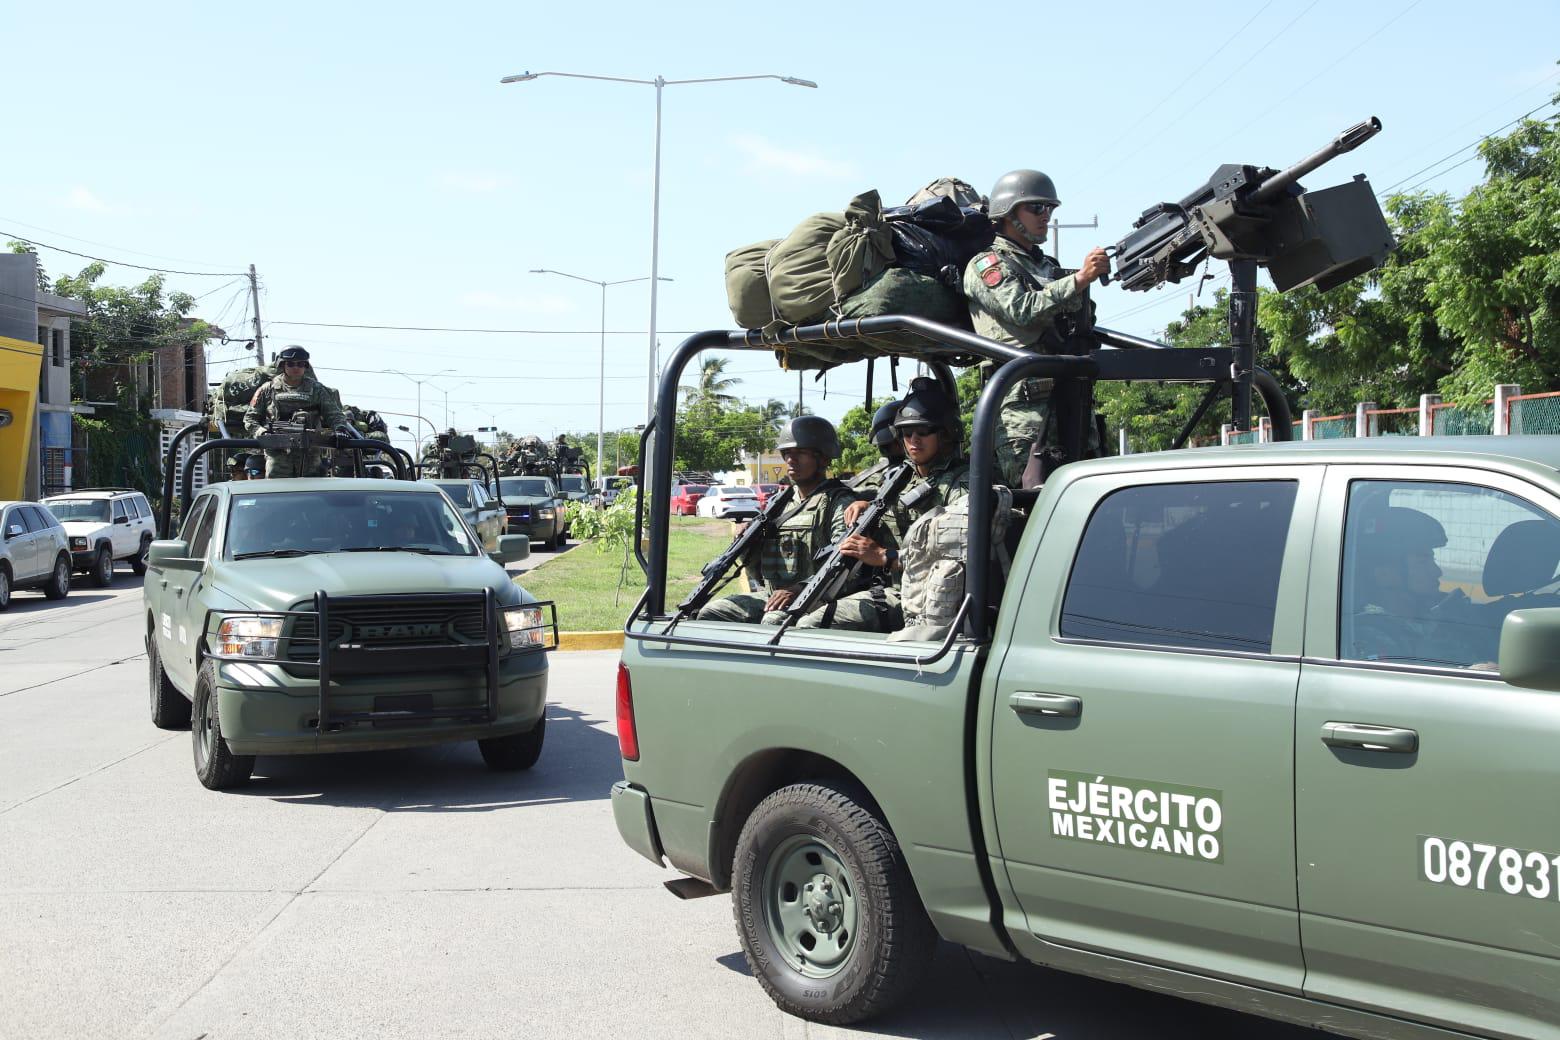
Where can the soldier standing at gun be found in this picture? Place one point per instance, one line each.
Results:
(292, 395)
(785, 559)
(1016, 295)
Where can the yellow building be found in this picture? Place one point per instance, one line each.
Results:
(21, 364)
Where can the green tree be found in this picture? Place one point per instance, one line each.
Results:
(712, 438)
(713, 384)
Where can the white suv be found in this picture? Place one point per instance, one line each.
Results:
(104, 525)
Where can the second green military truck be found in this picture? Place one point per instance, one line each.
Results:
(1271, 727)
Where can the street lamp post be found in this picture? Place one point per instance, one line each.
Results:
(446, 394)
(659, 83)
(416, 439)
(601, 393)
(420, 383)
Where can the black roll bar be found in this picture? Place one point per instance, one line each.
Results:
(165, 515)
(187, 472)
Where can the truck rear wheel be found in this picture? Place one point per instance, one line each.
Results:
(169, 708)
(825, 906)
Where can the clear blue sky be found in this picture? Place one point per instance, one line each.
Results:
(367, 160)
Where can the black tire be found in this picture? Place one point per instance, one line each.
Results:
(58, 586)
(102, 573)
(5, 586)
(216, 767)
(516, 751)
(138, 561)
(169, 708)
(853, 938)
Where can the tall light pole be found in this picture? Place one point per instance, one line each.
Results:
(659, 83)
(420, 383)
(416, 437)
(601, 392)
(446, 394)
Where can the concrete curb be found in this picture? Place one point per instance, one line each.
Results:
(591, 640)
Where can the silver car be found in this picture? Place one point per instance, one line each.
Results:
(34, 551)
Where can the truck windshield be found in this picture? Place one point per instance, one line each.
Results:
(79, 509)
(289, 523)
(573, 482)
(520, 487)
(459, 493)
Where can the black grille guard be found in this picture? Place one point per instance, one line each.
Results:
(334, 661)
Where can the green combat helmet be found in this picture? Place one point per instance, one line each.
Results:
(927, 405)
(1021, 186)
(813, 432)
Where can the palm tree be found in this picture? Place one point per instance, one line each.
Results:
(712, 384)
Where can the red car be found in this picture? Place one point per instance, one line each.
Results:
(685, 498)
(764, 491)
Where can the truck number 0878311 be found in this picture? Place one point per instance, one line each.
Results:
(1489, 868)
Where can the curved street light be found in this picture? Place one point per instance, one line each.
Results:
(659, 83)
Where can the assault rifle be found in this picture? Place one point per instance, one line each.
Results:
(837, 570)
(715, 571)
(867, 474)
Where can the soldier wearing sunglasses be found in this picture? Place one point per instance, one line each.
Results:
(1017, 295)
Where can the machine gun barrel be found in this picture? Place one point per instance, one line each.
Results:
(1347, 141)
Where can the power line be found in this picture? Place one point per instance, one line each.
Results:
(1328, 68)
(1233, 73)
(513, 332)
(1184, 81)
(121, 249)
(1464, 148)
(121, 263)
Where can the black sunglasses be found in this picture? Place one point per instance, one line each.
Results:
(1040, 209)
(916, 431)
(296, 364)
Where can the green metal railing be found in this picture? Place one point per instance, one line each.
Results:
(1533, 414)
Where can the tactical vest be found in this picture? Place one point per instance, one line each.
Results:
(934, 554)
(786, 557)
(287, 401)
(1034, 273)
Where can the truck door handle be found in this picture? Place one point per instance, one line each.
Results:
(1055, 705)
(1363, 737)
(164, 582)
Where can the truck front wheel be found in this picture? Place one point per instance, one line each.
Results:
(825, 906)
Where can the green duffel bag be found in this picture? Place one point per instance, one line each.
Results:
(747, 290)
(861, 249)
(801, 286)
(902, 291)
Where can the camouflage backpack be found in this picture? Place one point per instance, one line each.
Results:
(231, 402)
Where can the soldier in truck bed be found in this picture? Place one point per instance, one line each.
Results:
(1017, 294)
(814, 520)
(279, 400)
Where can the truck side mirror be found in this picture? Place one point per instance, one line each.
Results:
(1530, 648)
(172, 554)
(511, 547)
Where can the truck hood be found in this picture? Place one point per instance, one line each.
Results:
(277, 584)
(530, 501)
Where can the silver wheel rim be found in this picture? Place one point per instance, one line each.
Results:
(105, 567)
(61, 576)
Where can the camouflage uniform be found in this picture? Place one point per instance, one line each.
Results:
(275, 401)
(878, 609)
(786, 557)
(1016, 295)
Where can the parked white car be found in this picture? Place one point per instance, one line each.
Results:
(729, 502)
(33, 552)
(105, 525)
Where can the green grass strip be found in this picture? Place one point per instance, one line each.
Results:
(584, 582)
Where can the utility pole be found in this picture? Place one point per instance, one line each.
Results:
(254, 299)
(1056, 234)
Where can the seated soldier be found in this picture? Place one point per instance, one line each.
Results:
(930, 429)
(816, 519)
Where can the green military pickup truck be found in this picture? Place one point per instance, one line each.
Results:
(1272, 728)
(313, 615)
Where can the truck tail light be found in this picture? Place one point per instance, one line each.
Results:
(628, 736)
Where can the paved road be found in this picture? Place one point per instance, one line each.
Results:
(396, 894)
